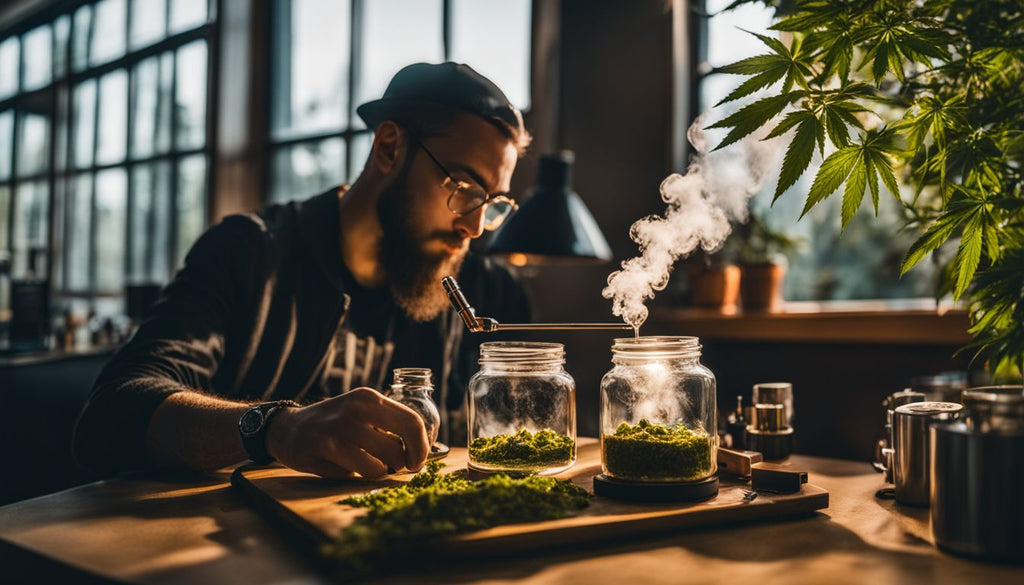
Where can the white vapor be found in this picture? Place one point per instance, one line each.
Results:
(700, 205)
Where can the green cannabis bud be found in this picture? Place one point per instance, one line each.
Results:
(400, 519)
(653, 452)
(523, 449)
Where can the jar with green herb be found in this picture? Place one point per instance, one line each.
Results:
(522, 409)
(658, 412)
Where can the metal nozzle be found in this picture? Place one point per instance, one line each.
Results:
(458, 300)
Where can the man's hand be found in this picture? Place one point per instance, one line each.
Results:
(360, 432)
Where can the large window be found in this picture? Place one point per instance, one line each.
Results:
(862, 262)
(330, 56)
(104, 145)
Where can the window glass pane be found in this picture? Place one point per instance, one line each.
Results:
(63, 127)
(31, 202)
(84, 122)
(81, 36)
(148, 18)
(76, 234)
(33, 144)
(150, 222)
(62, 34)
(190, 102)
(187, 14)
(108, 34)
(111, 196)
(390, 43)
(493, 37)
(191, 203)
(726, 42)
(110, 147)
(311, 67)
(165, 104)
(303, 170)
(9, 55)
(5, 214)
(38, 66)
(361, 144)
(6, 141)
(151, 91)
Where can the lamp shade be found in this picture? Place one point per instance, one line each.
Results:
(552, 225)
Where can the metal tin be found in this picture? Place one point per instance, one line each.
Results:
(977, 471)
(911, 447)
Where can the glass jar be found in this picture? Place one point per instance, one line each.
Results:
(413, 388)
(522, 409)
(658, 407)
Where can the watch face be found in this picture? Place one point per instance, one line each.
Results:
(251, 422)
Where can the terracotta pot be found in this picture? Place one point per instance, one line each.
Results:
(716, 288)
(761, 286)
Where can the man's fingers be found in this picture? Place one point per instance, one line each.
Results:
(391, 416)
(352, 457)
(383, 445)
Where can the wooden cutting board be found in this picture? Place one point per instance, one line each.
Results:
(305, 507)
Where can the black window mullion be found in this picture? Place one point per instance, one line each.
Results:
(446, 27)
(354, 69)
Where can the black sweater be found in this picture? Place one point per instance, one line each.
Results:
(251, 316)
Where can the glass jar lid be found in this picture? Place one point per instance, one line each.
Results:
(522, 353)
(648, 348)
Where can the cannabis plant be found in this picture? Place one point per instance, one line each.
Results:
(923, 100)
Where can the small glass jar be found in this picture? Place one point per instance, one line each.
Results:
(522, 409)
(658, 408)
(413, 388)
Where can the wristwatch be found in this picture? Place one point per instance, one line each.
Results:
(253, 428)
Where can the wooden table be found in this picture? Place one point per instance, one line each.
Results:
(151, 531)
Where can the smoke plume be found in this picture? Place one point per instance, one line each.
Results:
(700, 205)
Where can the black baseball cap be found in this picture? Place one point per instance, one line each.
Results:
(455, 85)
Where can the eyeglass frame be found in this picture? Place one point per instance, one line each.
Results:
(454, 186)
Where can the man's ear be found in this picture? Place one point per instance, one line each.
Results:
(389, 147)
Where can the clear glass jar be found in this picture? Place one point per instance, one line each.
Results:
(413, 388)
(522, 409)
(658, 407)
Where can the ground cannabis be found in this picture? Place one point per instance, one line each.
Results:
(402, 518)
(656, 452)
(523, 449)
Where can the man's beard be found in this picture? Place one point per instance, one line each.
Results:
(414, 272)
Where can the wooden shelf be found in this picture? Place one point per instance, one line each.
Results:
(910, 321)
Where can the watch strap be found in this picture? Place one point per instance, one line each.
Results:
(255, 441)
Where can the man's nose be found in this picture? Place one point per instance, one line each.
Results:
(471, 225)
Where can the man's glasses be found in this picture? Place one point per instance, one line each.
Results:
(467, 197)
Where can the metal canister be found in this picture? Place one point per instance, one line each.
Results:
(911, 448)
(883, 451)
(977, 472)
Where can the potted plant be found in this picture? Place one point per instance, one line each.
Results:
(926, 94)
(761, 254)
(714, 281)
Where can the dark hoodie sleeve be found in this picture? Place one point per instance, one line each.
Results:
(177, 347)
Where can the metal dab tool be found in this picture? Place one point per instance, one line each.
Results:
(487, 325)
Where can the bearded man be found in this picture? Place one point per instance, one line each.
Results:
(273, 340)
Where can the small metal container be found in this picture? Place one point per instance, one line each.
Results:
(976, 476)
(883, 450)
(911, 448)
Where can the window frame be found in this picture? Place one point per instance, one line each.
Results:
(62, 171)
(276, 23)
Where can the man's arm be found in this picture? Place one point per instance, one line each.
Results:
(360, 432)
(153, 405)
